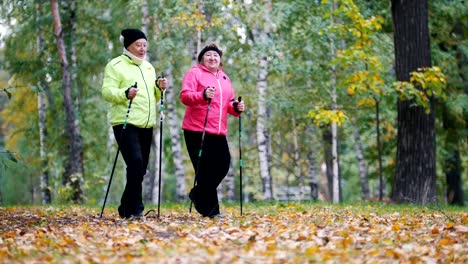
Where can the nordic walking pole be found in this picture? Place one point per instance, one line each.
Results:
(240, 156)
(117, 154)
(201, 148)
(161, 108)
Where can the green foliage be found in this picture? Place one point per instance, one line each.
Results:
(15, 179)
(299, 80)
(424, 84)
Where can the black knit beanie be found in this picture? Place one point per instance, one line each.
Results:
(207, 48)
(130, 35)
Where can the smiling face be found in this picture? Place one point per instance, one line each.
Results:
(211, 60)
(139, 48)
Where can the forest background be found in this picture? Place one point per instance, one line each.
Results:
(318, 79)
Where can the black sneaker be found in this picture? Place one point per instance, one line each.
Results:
(216, 216)
(139, 214)
(123, 213)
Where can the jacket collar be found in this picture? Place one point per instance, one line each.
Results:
(131, 57)
(204, 68)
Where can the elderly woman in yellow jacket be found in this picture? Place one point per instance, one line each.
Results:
(130, 77)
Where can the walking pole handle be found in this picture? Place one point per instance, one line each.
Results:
(128, 111)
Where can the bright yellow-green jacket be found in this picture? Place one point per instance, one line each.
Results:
(121, 73)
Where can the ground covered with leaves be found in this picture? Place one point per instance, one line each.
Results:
(267, 233)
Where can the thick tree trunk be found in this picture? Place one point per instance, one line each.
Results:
(415, 179)
(73, 174)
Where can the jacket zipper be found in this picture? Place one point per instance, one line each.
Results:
(220, 104)
(148, 95)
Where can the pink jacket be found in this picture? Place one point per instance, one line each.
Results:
(195, 81)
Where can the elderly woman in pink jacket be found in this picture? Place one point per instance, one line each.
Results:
(208, 96)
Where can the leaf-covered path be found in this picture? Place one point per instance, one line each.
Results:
(294, 233)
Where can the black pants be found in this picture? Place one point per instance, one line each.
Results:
(135, 146)
(213, 167)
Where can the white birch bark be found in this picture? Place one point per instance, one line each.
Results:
(229, 183)
(176, 140)
(336, 180)
(312, 169)
(263, 136)
(297, 156)
(362, 164)
(111, 146)
(262, 130)
(153, 177)
(42, 112)
(150, 188)
(220, 191)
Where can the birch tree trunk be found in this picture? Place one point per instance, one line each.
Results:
(152, 177)
(365, 195)
(262, 130)
(415, 179)
(220, 190)
(150, 188)
(42, 112)
(263, 134)
(379, 150)
(73, 174)
(111, 149)
(336, 196)
(149, 180)
(312, 170)
(328, 161)
(73, 57)
(230, 184)
(297, 161)
(176, 145)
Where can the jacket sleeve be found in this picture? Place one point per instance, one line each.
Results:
(157, 93)
(111, 90)
(189, 94)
